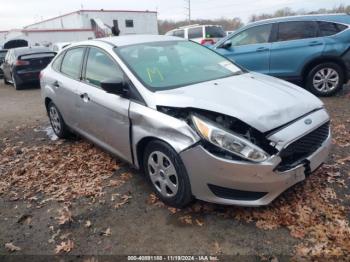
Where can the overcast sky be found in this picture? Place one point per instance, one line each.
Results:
(18, 13)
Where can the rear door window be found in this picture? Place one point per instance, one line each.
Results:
(328, 28)
(296, 30)
(196, 32)
(72, 61)
(214, 32)
(56, 65)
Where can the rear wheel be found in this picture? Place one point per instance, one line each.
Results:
(167, 174)
(57, 123)
(325, 79)
(5, 81)
(15, 84)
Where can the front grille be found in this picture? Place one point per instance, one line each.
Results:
(296, 152)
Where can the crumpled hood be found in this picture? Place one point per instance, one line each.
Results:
(261, 101)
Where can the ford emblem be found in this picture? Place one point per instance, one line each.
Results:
(308, 121)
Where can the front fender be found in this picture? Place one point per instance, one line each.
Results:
(148, 122)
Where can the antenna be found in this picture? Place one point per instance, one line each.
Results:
(188, 2)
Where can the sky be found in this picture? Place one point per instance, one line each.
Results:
(19, 13)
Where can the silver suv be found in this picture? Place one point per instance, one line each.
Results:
(198, 125)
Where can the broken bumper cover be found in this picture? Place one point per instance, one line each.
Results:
(217, 180)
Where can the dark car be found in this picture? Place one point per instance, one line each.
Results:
(23, 65)
(2, 59)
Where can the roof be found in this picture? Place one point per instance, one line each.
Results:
(31, 50)
(341, 18)
(90, 10)
(135, 39)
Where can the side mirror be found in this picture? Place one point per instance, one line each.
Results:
(114, 86)
(227, 44)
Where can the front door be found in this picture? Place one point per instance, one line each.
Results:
(104, 117)
(251, 48)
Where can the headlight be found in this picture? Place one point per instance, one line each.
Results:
(228, 140)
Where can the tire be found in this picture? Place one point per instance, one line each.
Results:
(167, 174)
(325, 79)
(5, 81)
(15, 84)
(57, 123)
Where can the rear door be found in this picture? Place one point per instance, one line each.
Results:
(251, 48)
(296, 44)
(104, 117)
(66, 83)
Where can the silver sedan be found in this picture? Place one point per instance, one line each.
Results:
(197, 124)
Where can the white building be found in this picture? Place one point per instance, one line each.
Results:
(86, 24)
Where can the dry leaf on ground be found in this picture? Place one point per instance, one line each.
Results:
(65, 246)
(11, 247)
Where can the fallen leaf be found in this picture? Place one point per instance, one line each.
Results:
(65, 216)
(199, 222)
(107, 233)
(65, 246)
(11, 247)
(88, 224)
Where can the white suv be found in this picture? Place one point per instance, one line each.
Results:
(203, 34)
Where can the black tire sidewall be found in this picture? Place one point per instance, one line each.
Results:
(15, 84)
(309, 80)
(64, 132)
(184, 194)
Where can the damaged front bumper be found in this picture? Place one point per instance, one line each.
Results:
(218, 180)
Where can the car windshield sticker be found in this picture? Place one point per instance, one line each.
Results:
(229, 66)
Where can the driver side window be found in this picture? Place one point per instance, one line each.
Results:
(100, 67)
(256, 35)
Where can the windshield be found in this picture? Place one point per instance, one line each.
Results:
(214, 31)
(171, 64)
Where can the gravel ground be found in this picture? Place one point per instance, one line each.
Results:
(141, 225)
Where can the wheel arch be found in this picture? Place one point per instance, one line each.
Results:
(323, 59)
(47, 102)
(141, 148)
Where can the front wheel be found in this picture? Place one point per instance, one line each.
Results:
(167, 174)
(57, 123)
(325, 79)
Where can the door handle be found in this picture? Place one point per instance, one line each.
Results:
(56, 84)
(262, 49)
(85, 97)
(315, 43)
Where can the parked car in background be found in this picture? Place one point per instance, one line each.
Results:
(57, 47)
(203, 34)
(2, 59)
(313, 50)
(23, 65)
(194, 122)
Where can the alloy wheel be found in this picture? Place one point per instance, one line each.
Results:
(326, 80)
(163, 174)
(55, 120)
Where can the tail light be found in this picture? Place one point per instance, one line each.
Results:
(207, 42)
(21, 63)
